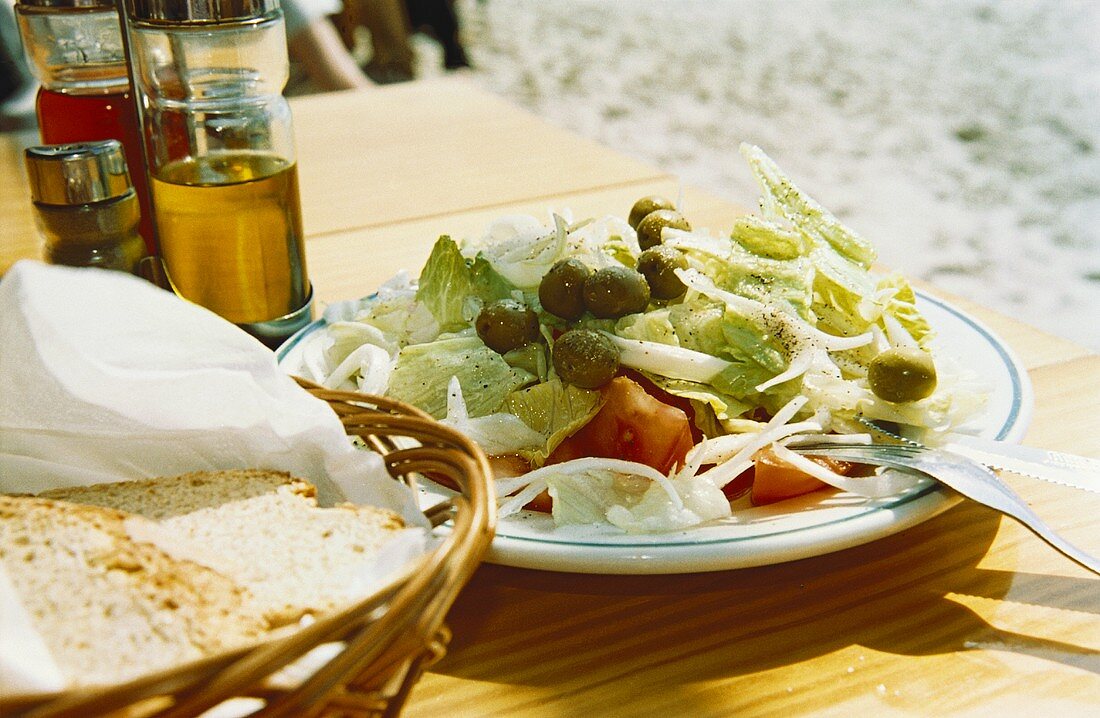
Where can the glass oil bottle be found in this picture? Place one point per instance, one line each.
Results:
(221, 156)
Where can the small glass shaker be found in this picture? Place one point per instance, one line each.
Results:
(85, 206)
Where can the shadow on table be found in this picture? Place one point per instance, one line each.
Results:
(539, 628)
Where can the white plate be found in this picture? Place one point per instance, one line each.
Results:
(810, 525)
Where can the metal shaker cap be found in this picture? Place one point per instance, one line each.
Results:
(200, 12)
(67, 3)
(77, 173)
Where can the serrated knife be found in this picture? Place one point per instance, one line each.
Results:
(1078, 472)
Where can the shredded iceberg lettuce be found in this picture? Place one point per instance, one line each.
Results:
(520, 248)
(635, 506)
(498, 433)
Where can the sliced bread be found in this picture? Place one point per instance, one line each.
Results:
(263, 529)
(109, 607)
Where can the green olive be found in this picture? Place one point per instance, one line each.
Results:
(658, 265)
(506, 324)
(615, 291)
(561, 291)
(651, 226)
(585, 358)
(646, 205)
(902, 374)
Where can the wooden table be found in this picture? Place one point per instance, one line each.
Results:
(965, 614)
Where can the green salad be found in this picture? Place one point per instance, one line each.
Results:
(634, 371)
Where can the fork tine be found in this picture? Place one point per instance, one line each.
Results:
(869, 450)
(874, 454)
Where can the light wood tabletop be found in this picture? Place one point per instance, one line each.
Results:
(964, 614)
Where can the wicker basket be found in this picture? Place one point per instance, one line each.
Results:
(390, 638)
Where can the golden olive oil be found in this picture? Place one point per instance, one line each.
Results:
(230, 232)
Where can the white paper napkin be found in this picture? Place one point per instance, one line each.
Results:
(104, 377)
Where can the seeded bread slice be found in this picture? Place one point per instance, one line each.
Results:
(108, 607)
(263, 529)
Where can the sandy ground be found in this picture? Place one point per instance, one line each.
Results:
(962, 138)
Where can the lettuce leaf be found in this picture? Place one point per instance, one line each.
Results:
(903, 307)
(785, 201)
(768, 239)
(488, 284)
(497, 433)
(445, 285)
(531, 358)
(840, 288)
(755, 353)
(651, 326)
(454, 289)
(584, 499)
(723, 406)
(423, 371)
(784, 282)
(555, 410)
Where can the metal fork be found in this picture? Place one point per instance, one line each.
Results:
(969, 478)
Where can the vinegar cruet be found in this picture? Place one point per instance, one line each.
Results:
(75, 50)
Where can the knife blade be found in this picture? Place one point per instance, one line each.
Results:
(1078, 472)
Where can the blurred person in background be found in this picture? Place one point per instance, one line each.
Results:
(314, 43)
(387, 21)
(391, 23)
(17, 87)
(438, 19)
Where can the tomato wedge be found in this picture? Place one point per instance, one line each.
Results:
(665, 397)
(774, 479)
(631, 425)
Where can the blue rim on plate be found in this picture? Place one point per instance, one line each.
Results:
(765, 535)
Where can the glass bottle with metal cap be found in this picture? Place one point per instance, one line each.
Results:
(85, 207)
(221, 156)
(75, 50)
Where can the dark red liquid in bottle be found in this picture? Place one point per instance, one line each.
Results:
(85, 118)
